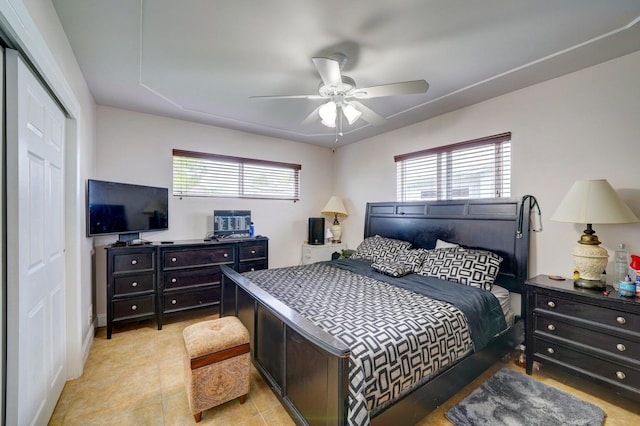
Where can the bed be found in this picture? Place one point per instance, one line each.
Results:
(325, 377)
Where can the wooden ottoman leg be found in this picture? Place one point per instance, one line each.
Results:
(198, 417)
(243, 398)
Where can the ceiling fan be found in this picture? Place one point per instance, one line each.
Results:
(344, 97)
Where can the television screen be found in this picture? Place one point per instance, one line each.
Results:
(123, 208)
(231, 222)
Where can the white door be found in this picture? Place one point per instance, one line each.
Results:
(35, 247)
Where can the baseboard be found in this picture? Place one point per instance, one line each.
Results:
(102, 320)
(86, 345)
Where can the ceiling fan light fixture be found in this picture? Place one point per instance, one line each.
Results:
(351, 113)
(331, 124)
(328, 113)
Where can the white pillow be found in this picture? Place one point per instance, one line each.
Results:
(444, 244)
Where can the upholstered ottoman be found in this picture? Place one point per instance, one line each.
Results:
(216, 363)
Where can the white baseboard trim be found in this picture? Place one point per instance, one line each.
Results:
(102, 320)
(86, 346)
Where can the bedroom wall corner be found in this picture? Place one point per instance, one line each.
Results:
(579, 126)
(148, 141)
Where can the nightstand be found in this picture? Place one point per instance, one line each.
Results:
(584, 331)
(321, 252)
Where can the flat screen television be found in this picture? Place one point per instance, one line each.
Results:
(231, 223)
(125, 209)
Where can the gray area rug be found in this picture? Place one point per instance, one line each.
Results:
(514, 399)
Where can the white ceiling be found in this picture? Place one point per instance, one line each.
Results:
(201, 60)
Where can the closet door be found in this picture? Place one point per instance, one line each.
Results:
(36, 324)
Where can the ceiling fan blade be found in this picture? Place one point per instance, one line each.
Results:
(288, 97)
(392, 89)
(329, 71)
(368, 114)
(313, 117)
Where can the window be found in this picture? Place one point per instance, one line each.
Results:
(480, 168)
(197, 174)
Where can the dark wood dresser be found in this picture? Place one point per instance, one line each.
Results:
(155, 280)
(585, 331)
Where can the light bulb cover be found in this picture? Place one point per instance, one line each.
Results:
(328, 113)
(351, 113)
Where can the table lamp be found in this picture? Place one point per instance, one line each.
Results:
(335, 207)
(589, 202)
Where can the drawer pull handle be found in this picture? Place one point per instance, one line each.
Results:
(621, 347)
(174, 301)
(620, 375)
(551, 327)
(551, 351)
(621, 320)
(173, 280)
(173, 259)
(134, 262)
(253, 252)
(134, 307)
(551, 304)
(134, 284)
(226, 255)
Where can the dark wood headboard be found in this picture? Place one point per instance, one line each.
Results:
(484, 224)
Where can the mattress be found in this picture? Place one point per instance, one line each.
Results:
(398, 339)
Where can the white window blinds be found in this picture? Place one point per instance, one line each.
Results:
(197, 174)
(480, 168)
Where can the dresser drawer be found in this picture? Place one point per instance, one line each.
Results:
(598, 314)
(611, 372)
(178, 301)
(252, 251)
(197, 257)
(591, 338)
(189, 277)
(254, 265)
(133, 284)
(133, 307)
(131, 262)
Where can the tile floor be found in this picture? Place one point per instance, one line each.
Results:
(136, 379)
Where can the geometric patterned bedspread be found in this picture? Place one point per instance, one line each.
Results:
(398, 339)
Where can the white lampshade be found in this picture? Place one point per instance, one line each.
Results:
(335, 206)
(593, 201)
(351, 113)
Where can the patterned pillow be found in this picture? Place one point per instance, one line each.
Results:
(391, 268)
(412, 258)
(379, 248)
(476, 268)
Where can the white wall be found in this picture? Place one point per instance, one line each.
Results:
(579, 126)
(137, 148)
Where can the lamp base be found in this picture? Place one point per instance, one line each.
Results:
(590, 284)
(590, 260)
(336, 230)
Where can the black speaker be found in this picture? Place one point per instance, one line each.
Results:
(316, 230)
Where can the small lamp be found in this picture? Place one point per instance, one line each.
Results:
(335, 207)
(592, 201)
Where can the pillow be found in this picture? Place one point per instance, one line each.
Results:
(379, 248)
(391, 268)
(412, 258)
(476, 268)
(440, 244)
